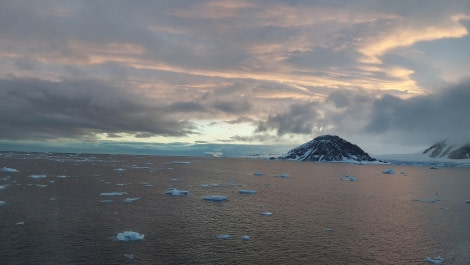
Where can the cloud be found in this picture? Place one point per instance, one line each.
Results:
(298, 119)
(43, 110)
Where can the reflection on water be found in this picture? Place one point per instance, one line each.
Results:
(316, 218)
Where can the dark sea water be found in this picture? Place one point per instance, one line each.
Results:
(316, 217)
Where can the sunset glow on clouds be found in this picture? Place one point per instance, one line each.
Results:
(245, 72)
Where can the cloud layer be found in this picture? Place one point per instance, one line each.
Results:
(225, 71)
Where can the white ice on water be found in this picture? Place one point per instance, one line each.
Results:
(120, 169)
(37, 176)
(247, 191)
(9, 170)
(182, 162)
(245, 237)
(131, 199)
(117, 193)
(2, 203)
(129, 236)
(350, 178)
(266, 213)
(3, 186)
(388, 171)
(436, 260)
(258, 173)
(215, 198)
(224, 236)
(176, 192)
(62, 176)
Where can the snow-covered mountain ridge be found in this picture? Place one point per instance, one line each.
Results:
(327, 148)
(442, 149)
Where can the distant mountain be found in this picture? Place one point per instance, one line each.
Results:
(327, 148)
(442, 149)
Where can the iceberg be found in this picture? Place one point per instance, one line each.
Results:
(350, 178)
(37, 176)
(9, 170)
(215, 198)
(388, 171)
(131, 199)
(436, 260)
(176, 192)
(117, 193)
(129, 236)
(224, 236)
(182, 162)
(247, 191)
(266, 213)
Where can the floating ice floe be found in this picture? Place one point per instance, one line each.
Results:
(62, 176)
(388, 171)
(20, 223)
(247, 191)
(182, 162)
(41, 185)
(2, 203)
(131, 199)
(224, 236)
(129, 236)
(265, 213)
(245, 237)
(350, 178)
(258, 173)
(129, 256)
(117, 193)
(120, 169)
(37, 176)
(106, 201)
(176, 192)
(436, 260)
(3, 186)
(215, 198)
(9, 170)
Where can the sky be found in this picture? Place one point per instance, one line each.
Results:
(389, 76)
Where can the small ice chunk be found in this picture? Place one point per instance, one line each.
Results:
(261, 206)
(129, 256)
(62, 176)
(117, 193)
(350, 178)
(432, 200)
(388, 171)
(284, 175)
(176, 192)
(247, 191)
(436, 260)
(120, 184)
(9, 170)
(467, 201)
(182, 162)
(129, 236)
(329, 229)
(204, 185)
(215, 198)
(266, 213)
(224, 236)
(3, 187)
(131, 199)
(20, 223)
(120, 169)
(215, 185)
(258, 173)
(2, 203)
(245, 237)
(106, 201)
(37, 176)
(41, 185)
(416, 200)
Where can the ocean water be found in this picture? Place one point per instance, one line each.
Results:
(317, 218)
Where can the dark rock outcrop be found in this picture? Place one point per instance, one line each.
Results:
(327, 148)
(443, 150)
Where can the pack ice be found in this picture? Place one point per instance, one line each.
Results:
(129, 236)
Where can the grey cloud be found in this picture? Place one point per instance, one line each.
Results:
(41, 110)
(299, 118)
(437, 116)
(233, 107)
